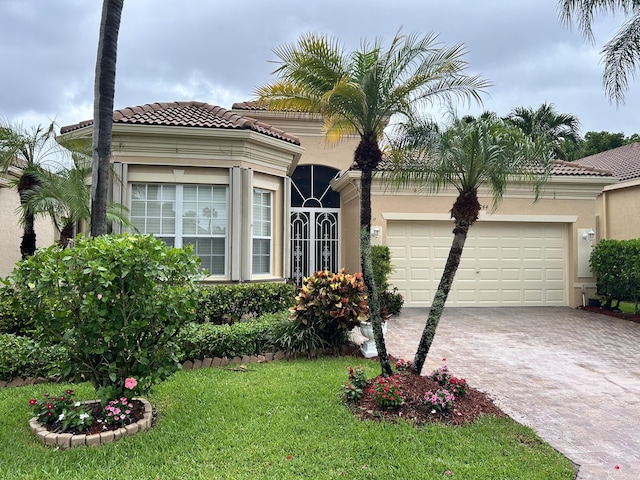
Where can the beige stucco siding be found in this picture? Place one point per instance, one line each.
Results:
(617, 209)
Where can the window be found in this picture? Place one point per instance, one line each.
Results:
(261, 256)
(185, 215)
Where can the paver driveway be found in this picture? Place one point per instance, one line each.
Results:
(571, 375)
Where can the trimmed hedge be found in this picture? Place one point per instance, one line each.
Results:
(25, 357)
(616, 264)
(252, 337)
(228, 304)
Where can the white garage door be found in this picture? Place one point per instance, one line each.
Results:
(503, 263)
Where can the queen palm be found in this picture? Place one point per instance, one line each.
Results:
(27, 150)
(471, 154)
(557, 129)
(621, 54)
(357, 93)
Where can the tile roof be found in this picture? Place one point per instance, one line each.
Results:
(559, 168)
(623, 161)
(189, 114)
(250, 105)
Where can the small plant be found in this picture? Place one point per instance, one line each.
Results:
(391, 301)
(387, 391)
(440, 400)
(352, 388)
(441, 375)
(118, 412)
(61, 413)
(403, 365)
(458, 386)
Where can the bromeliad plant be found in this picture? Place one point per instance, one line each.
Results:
(331, 304)
(63, 413)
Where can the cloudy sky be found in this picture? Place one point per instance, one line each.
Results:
(219, 51)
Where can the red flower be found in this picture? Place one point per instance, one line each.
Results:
(617, 467)
(69, 392)
(49, 406)
(33, 401)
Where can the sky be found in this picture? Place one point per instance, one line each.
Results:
(220, 51)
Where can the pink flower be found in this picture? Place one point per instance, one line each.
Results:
(99, 296)
(33, 401)
(448, 472)
(130, 383)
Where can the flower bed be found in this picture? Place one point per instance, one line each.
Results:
(68, 440)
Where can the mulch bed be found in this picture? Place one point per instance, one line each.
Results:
(632, 317)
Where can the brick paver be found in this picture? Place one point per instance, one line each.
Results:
(571, 375)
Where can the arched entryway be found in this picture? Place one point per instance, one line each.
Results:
(315, 221)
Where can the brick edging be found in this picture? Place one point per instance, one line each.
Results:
(67, 440)
(186, 365)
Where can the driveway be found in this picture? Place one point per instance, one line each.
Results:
(572, 376)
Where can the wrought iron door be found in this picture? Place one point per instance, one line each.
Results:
(315, 222)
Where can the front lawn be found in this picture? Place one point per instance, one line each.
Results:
(274, 421)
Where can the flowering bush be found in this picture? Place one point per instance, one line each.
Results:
(116, 302)
(403, 365)
(458, 386)
(331, 304)
(61, 413)
(352, 388)
(440, 400)
(441, 375)
(387, 391)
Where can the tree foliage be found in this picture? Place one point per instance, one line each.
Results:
(357, 93)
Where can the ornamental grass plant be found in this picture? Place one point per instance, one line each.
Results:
(280, 420)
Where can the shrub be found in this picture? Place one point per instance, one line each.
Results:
(116, 302)
(15, 314)
(26, 357)
(198, 341)
(440, 400)
(381, 260)
(616, 264)
(352, 388)
(221, 304)
(331, 305)
(391, 302)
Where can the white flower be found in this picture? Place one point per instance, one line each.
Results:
(83, 416)
(77, 404)
(433, 411)
(61, 417)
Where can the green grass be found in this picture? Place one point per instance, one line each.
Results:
(221, 424)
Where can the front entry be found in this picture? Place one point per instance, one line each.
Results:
(315, 222)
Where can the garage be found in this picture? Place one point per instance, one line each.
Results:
(503, 263)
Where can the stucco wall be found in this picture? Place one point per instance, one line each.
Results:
(617, 209)
(11, 231)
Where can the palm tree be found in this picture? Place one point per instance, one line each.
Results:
(64, 197)
(26, 151)
(556, 129)
(621, 54)
(104, 92)
(357, 93)
(470, 154)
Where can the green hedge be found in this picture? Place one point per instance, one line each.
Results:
(227, 304)
(252, 337)
(25, 357)
(616, 264)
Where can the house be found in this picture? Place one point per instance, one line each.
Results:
(261, 196)
(618, 205)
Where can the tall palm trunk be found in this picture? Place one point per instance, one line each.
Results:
(104, 92)
(28, 244)
(367, 270)
(465, 211)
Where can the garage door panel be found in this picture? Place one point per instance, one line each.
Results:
(502, 263)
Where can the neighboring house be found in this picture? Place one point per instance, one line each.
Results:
(239, 188)
(618, 205)
(11, 231)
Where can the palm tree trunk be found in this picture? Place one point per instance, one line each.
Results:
(66, 234)
(444, 287)
(26, 184)
(367, 271)
(104, 92)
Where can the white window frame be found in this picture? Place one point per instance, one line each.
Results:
(259, 235)
(179, 234)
